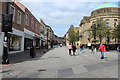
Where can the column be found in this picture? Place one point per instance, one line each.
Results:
(22, 43)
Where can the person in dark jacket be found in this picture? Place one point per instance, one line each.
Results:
(81, 48)
(74, 49)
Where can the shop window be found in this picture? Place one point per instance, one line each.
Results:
(19, 18)
(27, 19)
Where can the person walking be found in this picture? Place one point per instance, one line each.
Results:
(74, 49)
(89, 45)
(69, 48)
(118, 48)
(93, 49)
(81, 48)
(102, 49)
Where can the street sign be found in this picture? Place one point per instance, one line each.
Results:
(7, 22)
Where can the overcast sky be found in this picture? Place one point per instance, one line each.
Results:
(60, 14)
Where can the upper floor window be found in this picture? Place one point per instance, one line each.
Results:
(12, 11)
(19, 18)
(27, 19)
(98, 11)
(32, 23)
(37, 27)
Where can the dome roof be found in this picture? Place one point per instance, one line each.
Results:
(106, 5)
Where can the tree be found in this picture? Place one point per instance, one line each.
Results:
(116, 33)
(93, 29)
(73, 36)
(100, 30)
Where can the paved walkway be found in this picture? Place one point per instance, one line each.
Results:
(23, 56)
(58, 64)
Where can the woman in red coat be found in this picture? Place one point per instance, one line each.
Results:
(102, 49)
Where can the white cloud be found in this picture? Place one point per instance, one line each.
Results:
(61, 14)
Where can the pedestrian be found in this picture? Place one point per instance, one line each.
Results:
(102, 49)
(94, 50)
(70, 48)
(61, 45)
(89, 45)
(74, 49)
(118, 48)
(81, 48)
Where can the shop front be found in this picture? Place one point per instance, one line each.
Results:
(37, 41)
(43, 41)
(28, 39)
(16, 41)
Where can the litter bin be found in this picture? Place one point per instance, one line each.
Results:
(32, 52)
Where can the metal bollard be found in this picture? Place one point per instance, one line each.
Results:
(32, 52)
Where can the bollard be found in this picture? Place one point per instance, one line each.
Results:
(32, 52)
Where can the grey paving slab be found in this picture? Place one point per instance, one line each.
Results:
(92, 67)
(62, 73)
(32, 75)
(48, 74)
(59, 64)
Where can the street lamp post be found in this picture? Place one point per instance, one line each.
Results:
(6, 27)
(5, 59)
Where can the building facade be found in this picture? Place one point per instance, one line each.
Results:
(61, 40)
(27, 30)
(50, 34)
(43, 34)
(76, 31)
(107, 12)
(16, 37)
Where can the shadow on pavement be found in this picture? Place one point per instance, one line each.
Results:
(25, 56)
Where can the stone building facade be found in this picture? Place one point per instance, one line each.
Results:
(107, 12)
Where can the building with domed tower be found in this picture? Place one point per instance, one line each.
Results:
(109, 14)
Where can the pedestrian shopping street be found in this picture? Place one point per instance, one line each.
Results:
(57, 63)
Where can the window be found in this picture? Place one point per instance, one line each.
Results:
(12, 11)
(98, 11)
(32, 23)
(115, 22)
(107, 22)
(19, 18)
(37, 27)
(27, 19)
